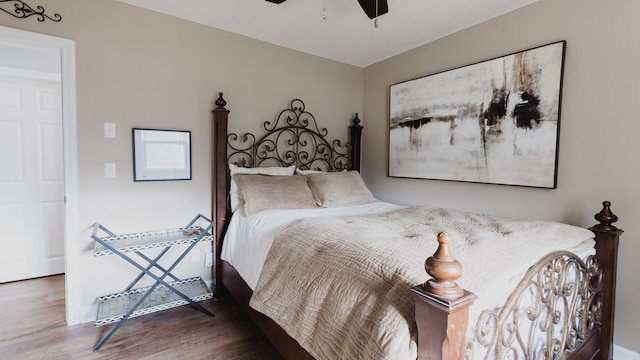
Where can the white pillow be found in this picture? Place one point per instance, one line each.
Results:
(305, 172)
(234, 169)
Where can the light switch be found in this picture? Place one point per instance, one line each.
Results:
(109, 130)
(109, 170)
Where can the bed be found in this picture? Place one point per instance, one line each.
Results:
(560, 306)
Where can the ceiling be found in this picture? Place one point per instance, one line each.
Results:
(346, 34)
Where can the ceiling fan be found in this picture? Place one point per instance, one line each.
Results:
(373, 8)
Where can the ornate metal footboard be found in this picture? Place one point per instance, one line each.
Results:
(555, 307)
(570, 303)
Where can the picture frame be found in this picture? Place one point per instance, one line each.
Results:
(495, 121)
(161, 155)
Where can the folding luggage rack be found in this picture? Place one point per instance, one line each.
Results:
(161, 295)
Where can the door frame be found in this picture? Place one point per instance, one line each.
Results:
(66, 48)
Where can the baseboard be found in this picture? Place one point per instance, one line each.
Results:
(624, 353)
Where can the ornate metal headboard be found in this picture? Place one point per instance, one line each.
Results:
(293, 138)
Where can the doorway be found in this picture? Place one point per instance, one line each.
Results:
(63, 51)
(32, 177)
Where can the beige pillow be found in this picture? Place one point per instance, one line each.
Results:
(233, 169)
(342, 188)
(269, 192)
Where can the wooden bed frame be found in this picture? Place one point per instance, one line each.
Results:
(441, 306)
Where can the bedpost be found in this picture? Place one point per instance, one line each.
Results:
(221, 178)
(607, 239)
(356, 136)
(442, 307)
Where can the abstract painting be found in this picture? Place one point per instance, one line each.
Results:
(495, 121)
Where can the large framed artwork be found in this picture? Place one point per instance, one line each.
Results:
(496, 121)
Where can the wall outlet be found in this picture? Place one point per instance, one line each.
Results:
(208, 259)
(195, 255)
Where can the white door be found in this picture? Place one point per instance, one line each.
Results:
(31, 175)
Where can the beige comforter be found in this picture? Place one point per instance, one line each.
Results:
(339, 286)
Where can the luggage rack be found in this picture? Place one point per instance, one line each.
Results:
(162, 295)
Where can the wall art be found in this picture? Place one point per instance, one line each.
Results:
(161, 155)
(495, 121)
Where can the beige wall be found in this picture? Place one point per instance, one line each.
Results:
(600, 131)
(138, 68)
(141, 69)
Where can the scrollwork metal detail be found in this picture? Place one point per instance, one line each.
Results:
(22, 10)
(559, 300)
(293, 138)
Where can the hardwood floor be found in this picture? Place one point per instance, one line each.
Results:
(32, 326)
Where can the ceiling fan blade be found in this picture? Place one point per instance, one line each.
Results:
(369, 7)
(373, 8)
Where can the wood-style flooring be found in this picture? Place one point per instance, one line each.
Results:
(32, 326)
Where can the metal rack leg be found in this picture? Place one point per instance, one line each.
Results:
(152, 263)
(125, 318)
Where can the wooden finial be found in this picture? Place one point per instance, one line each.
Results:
(444, 270)
(356, 120)
(605, 217)
(220, 103)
